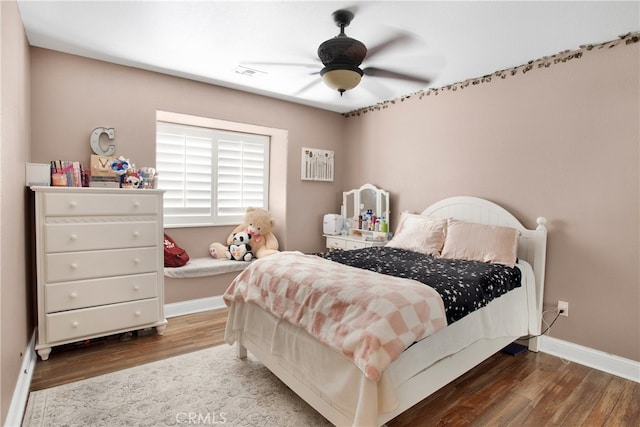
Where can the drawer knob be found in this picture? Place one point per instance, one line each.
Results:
(136, 204)
(136, 260)
(136, 287)
(73, 204)
(137, 313)
(75, 324)
(73, 237)
(74, 266)
(73, 295)
(136, 234)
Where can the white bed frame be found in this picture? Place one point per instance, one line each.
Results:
(532, 248)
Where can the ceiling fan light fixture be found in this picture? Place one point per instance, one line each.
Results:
(341, 79)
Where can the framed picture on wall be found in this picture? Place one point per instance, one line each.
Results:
(316, 165)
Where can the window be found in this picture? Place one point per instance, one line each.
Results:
(210, 175)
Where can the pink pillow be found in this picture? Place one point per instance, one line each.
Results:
(419, 233)
(481, 242)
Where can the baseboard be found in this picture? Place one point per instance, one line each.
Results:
(21, 392)
(619, 366)
(193, 306)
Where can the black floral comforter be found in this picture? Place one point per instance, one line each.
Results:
(464, 286)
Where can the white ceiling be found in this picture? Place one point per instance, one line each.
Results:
(209, 40)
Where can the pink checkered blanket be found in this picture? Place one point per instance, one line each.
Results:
(369, 317)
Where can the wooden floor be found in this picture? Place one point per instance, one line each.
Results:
(533, 389)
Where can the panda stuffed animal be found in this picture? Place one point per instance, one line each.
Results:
(240, 249)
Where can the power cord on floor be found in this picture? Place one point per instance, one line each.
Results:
(548, 326)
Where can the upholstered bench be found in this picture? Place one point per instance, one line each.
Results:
(199, 285)
(205, 266)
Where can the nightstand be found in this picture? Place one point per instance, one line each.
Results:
(350, 241)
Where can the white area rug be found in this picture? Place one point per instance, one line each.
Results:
(207, 387)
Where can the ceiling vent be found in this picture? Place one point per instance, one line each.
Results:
(248, 72)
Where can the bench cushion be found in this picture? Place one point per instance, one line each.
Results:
(206, 266)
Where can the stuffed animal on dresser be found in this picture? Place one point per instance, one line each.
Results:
(258, 223)
(240, 249)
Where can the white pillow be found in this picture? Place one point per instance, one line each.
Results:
(481, 242)
(419, 233)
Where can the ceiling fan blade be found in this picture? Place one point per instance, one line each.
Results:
(380, 72)
(399, 38)
(377, 89)
(283, 64)
(307, 87)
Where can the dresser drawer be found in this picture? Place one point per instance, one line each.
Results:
(63, 267)
(70, 237)
(350, 244)
(71, 204)
(335, 243)
(72, 324)
(89, 293)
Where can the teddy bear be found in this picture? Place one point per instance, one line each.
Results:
(258, 223)
(240, 249)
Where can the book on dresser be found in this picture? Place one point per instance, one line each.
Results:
(99, 266)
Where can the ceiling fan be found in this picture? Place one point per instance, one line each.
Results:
(343, 55)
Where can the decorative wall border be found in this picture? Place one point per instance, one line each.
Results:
(544, 62)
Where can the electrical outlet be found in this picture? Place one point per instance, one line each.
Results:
(564, 306)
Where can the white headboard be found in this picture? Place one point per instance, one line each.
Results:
(532, 246)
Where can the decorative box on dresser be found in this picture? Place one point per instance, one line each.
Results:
(99, 258)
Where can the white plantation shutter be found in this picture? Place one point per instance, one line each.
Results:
(242, 172)
(210, 176)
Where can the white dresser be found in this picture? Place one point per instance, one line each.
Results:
(99, 263)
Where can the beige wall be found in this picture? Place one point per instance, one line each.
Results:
(16, 325)
(561, 142)
(73, 95)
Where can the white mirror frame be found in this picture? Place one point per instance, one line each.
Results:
(382, 199)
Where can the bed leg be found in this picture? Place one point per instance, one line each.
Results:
(241, 351)
(533, 344)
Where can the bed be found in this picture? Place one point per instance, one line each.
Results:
(348, 391)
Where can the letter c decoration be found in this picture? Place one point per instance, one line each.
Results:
(95, 141)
